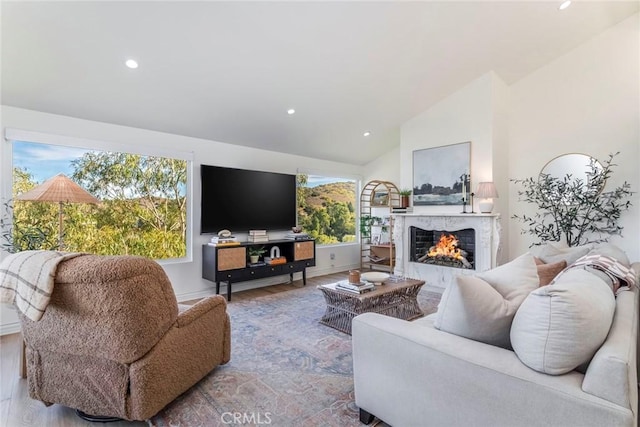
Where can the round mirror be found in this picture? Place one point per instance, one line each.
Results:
(579, 166)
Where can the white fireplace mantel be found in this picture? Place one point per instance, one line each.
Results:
(486, 226)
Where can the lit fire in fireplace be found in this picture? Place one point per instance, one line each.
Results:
(447, 246)
(446, 252)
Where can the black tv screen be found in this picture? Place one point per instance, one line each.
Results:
(241, 200)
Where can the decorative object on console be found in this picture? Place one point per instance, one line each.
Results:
(574, 209)
(441, 174)
(486, 191)
(257, 236)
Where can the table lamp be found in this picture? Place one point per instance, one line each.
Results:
(486, 192)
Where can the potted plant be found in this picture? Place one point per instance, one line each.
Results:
(255, 252)
(405, 193)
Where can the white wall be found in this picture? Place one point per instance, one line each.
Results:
(186, 277)
(587, 101)
(384, 168)
(467, 115)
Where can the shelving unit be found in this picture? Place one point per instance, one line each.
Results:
(377, 251)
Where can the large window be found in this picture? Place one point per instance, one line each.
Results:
(142, 207)
(327, 208)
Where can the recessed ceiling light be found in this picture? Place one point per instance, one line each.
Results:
(291, 111)
(131, 63)
(564, 5)
(367, 133)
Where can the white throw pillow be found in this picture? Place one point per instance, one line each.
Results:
(559, 327)
(481, 308)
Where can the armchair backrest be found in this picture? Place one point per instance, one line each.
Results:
(116, 307)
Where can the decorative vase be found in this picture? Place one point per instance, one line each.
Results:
(404, 201)
(254, 258)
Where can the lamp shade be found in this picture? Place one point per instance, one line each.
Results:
(486, 190)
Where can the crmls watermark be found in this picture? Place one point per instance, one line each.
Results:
(255, 418)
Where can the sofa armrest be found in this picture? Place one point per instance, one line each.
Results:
(408, 373)
(199, 309)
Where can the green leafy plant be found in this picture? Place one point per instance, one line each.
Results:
(405, 192)
(573, 209)
(366, 221)
(256, 250)
(20, 237)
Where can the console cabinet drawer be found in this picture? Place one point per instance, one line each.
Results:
(303, 250)
(232, 258)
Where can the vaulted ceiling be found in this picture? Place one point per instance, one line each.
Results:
(229, 71)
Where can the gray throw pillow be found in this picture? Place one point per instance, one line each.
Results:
(481, 308)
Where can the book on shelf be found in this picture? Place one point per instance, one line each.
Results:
(224, 244)
(401, 210)
(297, 236)
(257, 232)
(217, 239)
(257, 264)
(275, 261)
(257, 238)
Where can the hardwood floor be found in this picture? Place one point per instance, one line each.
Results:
(18, 409)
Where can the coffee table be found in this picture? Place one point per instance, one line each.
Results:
(395, 299)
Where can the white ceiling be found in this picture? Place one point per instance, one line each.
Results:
(228, 71)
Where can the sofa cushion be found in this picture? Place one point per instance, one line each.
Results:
(558, 327)
(547, 272)
(482, 307)
(552, 253)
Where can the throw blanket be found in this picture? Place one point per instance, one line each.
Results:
(619, 274)
(26, 280)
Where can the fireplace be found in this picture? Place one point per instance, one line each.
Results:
(478, 235)
(441, 247)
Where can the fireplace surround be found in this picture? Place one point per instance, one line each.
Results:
(478, 235)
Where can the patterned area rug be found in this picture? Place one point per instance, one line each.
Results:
(286, 369)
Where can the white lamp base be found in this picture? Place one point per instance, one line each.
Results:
(486, 206)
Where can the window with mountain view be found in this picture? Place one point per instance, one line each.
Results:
(326, 208)
(142, 207)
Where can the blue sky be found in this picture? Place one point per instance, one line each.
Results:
(44, 161)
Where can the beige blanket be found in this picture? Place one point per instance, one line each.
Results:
(26, 280)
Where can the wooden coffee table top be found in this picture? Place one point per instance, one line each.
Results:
(386, 287)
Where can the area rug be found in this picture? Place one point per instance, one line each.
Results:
(286, 369)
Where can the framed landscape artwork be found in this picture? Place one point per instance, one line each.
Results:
(380, 198)
(441, 175)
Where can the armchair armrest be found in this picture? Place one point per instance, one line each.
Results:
(199, 309)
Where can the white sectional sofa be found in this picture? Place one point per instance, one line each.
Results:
(412, 374)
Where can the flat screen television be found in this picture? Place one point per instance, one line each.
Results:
(241, 200)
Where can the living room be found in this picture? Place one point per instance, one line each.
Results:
(583, 100)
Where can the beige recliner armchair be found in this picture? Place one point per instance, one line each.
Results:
(113, 342)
